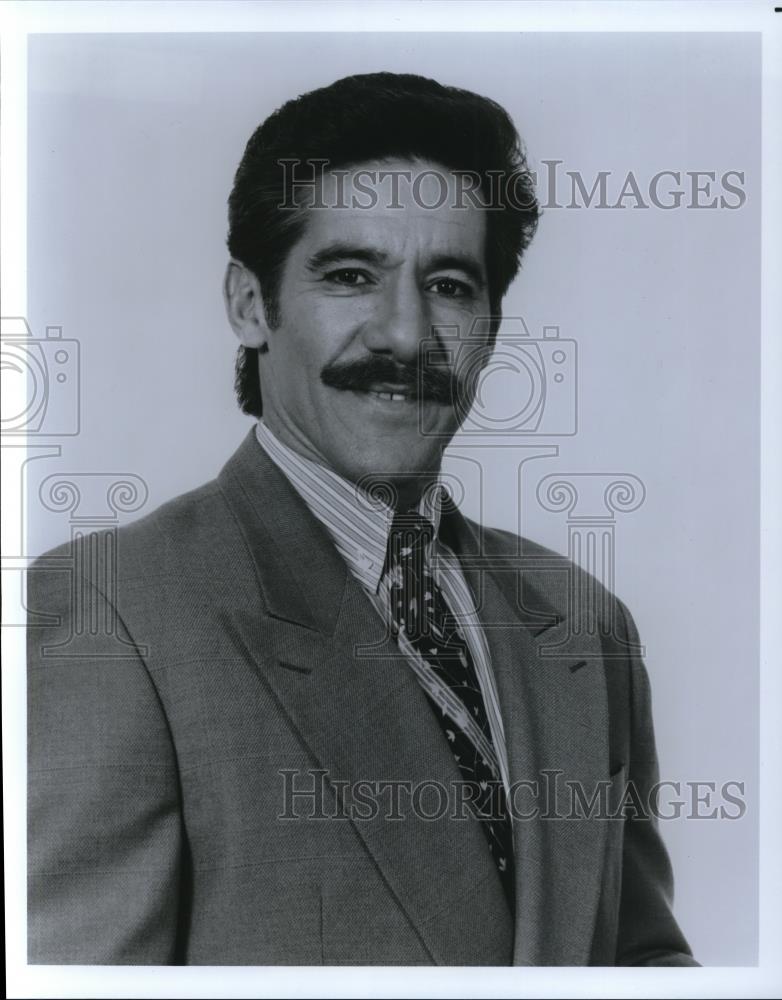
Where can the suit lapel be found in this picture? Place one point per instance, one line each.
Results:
(356, 705)
(321, 649)
(553, 702)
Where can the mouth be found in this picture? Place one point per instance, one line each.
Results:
(390, 396)
(390, 393)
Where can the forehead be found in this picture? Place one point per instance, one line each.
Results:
(403, 206)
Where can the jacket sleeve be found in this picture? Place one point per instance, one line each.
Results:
(647, 933)
(104, 818)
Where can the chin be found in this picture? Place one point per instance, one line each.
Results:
(398, 463)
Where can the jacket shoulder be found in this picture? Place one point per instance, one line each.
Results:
(178, 527)
(553, 575)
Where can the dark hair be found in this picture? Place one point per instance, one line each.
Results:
(374, 116)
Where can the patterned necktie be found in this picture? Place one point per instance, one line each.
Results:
(419, 612)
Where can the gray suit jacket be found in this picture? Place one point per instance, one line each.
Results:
(178, 667)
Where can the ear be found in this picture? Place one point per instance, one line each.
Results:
(244, 305)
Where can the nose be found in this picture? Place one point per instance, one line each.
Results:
(401, 321)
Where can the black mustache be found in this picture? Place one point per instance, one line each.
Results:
(431, 384)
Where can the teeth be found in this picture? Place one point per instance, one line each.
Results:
(395, 397)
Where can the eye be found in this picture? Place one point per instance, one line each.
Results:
(348, 276)
(452, 288)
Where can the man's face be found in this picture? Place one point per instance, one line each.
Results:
(369, 285)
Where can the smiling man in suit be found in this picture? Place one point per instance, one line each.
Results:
(318, 646)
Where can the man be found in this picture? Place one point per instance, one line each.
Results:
(318, 645)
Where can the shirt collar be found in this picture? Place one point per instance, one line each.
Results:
(359, 524)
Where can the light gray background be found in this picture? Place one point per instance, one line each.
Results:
(132, 146)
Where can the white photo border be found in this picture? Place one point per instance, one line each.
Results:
(20, 18)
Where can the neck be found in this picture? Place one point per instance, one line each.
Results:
(401, 492)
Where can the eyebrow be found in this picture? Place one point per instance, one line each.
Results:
(334, 253)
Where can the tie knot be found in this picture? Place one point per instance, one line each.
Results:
(409, 536)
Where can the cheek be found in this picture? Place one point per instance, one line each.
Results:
(336, 320)
(471, 315)
(298, 348)
(320, 329)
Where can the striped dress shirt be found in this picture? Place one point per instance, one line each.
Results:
(359, 527)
